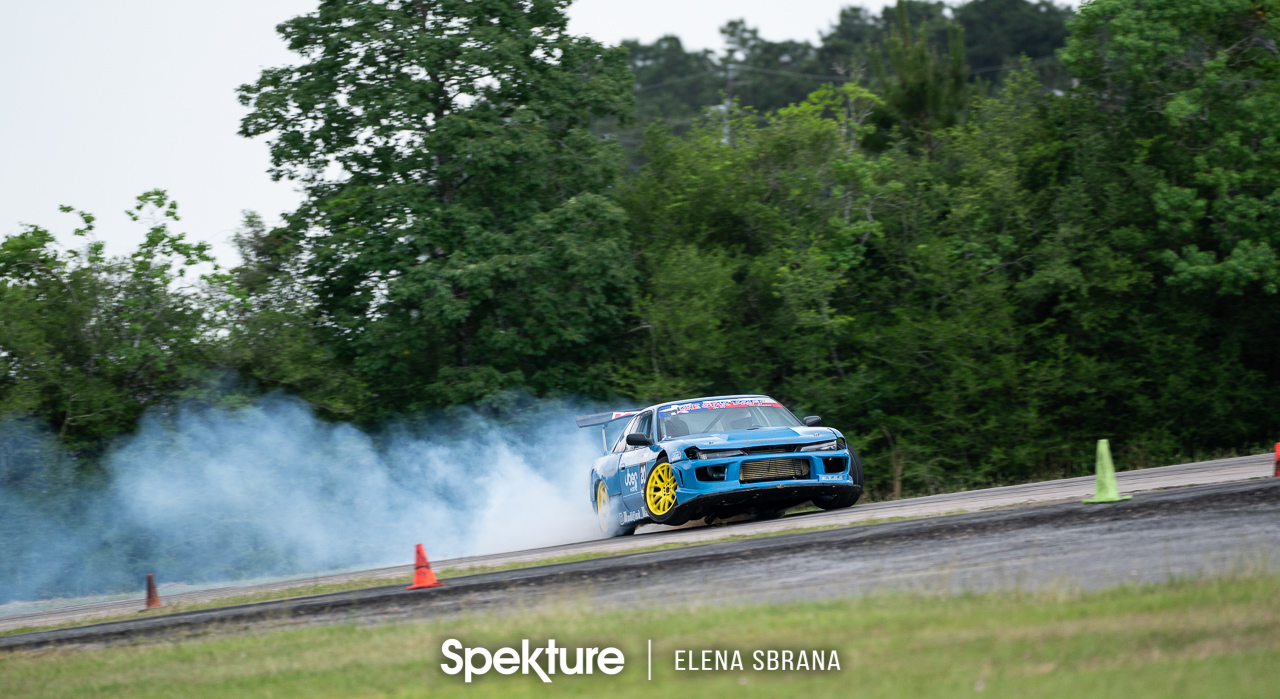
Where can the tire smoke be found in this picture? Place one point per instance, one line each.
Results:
(207, 495)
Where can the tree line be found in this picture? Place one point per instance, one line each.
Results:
(989, 37)
(974, 275)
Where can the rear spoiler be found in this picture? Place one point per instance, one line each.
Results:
(602, 418)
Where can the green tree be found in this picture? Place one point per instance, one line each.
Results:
(272, 339)
(924, 92)
(1207, 165)
(1168, 216)
(766, 225)
(87, 341)
(677, 85)
(1052, 269)
(672, 84)
(454, 222)
(858, 34)
(999, 32)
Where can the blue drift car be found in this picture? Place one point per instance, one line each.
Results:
(715, 458)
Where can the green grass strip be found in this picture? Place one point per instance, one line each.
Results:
(1214, 638)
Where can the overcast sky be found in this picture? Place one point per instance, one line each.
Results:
(101, 101)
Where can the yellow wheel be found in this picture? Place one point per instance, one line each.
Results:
(660, 491)
(604, 514)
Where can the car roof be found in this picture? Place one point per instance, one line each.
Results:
(695, 400)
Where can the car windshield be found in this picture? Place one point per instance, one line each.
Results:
(722, 415)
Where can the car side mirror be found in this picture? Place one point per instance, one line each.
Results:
(812, 421)
(637, 439)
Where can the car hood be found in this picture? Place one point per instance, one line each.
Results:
(742, 439)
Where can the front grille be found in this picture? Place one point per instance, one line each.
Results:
(773, 470)
(772, 449)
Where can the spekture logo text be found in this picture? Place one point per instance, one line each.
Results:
(507, 661)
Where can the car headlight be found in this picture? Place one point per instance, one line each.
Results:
(833, 445)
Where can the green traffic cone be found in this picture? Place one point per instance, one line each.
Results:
(1107, 490)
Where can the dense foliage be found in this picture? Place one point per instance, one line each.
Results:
(466, 247)
(974, 280)
(677, 84)
(88, 342)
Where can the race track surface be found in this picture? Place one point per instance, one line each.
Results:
(1182, 533)
(1199, 473)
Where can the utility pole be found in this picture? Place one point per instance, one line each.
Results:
(728, 102)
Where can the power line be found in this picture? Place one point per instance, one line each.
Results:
(789, 74)
(988, 70)
(717, 73)
(673, 81)
(811, 76)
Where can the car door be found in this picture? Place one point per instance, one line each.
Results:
(635, 462)
(609, 468)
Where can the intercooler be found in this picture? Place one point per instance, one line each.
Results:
(773, 470)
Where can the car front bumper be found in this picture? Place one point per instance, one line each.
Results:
(774, 496)
(820, 480)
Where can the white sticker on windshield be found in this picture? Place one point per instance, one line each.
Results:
(683, 408)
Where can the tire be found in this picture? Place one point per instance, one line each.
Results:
(677, 519)
(838, 502)
(660, 495)
(607, 514)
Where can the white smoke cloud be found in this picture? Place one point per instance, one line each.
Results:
(218, 495)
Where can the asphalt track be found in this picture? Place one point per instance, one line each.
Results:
(1199, 473)
(1180, 533)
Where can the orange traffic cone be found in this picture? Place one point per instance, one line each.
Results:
(422, 575)
(1277, 460)
(153, 597)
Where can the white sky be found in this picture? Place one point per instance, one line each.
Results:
(101, 101)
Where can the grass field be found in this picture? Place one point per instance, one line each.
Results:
(1196, 639)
